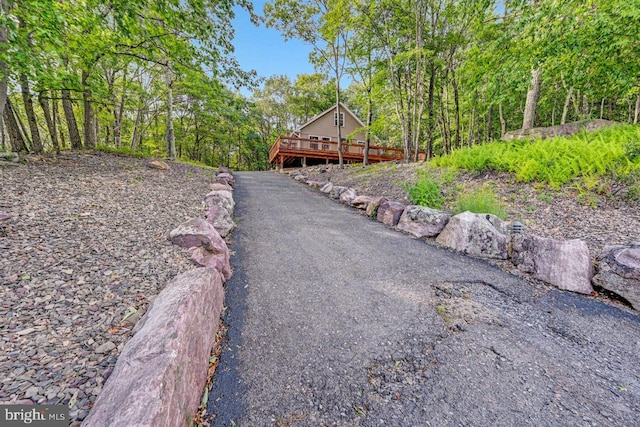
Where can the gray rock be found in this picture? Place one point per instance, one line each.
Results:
(105, 348)
(348, 195)
(389, 212)
(422, 221)
(619, 272)
(336, 191)
(372, 208)
(219, 211)
(4, 216)
(162, 370)
(480, 235)
(361, 202)
(327, 188)
(300, 178)
(204, 243)
(565, 264)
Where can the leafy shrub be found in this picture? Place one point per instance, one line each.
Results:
(426, 191)
(556, 161)
(482, 200)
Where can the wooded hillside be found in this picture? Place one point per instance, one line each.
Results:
(160, 78)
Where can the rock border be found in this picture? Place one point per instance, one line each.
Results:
(162, 370)
(566, 265)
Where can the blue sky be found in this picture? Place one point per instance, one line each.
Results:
(265, 51)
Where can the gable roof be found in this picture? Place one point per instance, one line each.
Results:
(343, 108)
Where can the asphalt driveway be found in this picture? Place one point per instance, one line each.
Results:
(336, 319)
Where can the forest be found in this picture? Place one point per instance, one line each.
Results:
(159, 78)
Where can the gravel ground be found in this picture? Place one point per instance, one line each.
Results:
(596, 219)
(87, 245)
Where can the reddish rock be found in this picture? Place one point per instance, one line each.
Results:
(361, 202)
(200, 234)
(158, 165)
(162, 370)
(220, 219)
(389, 212)
(348, 195)
(565, 264)
(619, 272)
(336, 191)
(372, 208)
(481, 235)
(422, 221)
(225, 178)
(220, 186)
(221, 198)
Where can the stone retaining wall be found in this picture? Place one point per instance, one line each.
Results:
(162, 370)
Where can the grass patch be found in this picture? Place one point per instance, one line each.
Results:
(483, 201)
(426, 191)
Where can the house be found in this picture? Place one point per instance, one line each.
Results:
(316, 142)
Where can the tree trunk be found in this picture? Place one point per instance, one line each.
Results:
(456, 101)
(170, 137)
(367, 141)
(567, 103)
(72, 125)
(89, 129)
(533, 95)
(15, 137)
(4, 6)
(636, 115)
(471, 126)
(503, 122)
(36, 142)
(51, 125)
(57, 123)
(489, 123)
(136, 129)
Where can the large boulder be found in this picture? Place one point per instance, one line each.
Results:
(374, 204)
(225, 178)
(220, 186)
(565, 264)
(348, 195)
(361, 202)
(558, 130)
(326, 189)
(220, 218)
(222, 198)
(619, 272)
(389, 212)
(162, 370)
(205, 245)
(336, 191)
(480, 235)
(422, 221)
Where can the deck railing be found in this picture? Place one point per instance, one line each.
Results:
(291, 146)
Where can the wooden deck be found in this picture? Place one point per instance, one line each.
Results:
(289, 150)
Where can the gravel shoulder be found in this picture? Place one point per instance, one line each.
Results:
(87, 245)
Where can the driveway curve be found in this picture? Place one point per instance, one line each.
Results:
(337, 320)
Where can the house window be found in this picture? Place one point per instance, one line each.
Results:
(326, 138)
(335, 119)
(313, 137)
(325, 146)
(314, 145)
